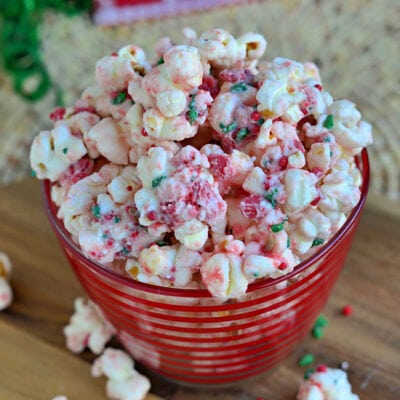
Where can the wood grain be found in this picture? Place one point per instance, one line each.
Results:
(35, 365)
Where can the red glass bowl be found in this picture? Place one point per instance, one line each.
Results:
(189, 337)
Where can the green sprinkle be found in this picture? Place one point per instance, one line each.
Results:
(96, 211)
(160, 61)
(255, 274)
(162, 244)
(307, 359)
(33, 173)
(125, 251)
(317, 242)
(117, 219)
(243, 132)
(65, 150)
(331, 153)
(193, 114)
(321, 322)
(288, 243)
(308, 372)
(270, 196)
(156, 181)
(277, 227)
(326, 139)
(329, 123)
(260, 121)
(317, 332)
(132, 101)
(238, 87)
(119, 98)
(228, 128)
(104, 236)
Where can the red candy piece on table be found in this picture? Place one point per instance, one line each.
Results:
(347, 310)
(322, 368)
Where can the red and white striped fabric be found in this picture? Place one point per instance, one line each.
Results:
(113, 12)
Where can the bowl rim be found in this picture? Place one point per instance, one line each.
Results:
(65, 237)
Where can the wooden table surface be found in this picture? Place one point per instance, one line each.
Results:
(35, 365)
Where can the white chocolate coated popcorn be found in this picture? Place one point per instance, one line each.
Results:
(206, 167)
(53, 152)
(6, 293)
(87, 328)
(124, 382)
(328, 384)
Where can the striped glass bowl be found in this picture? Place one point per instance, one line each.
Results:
(190, 338)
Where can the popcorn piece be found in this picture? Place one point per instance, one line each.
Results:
(300, 190)
(6, 294)
(53, 152)
(223, 276)
(326, 384)
(171, 103)
(87, 328)
(109, 141)
(350, 131)
(60, 397)
(124, 382)
(192, 234)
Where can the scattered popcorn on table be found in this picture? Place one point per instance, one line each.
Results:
(87, 328)
(326, 384)
(60, 398)
(205, 167)
(124, 382)
(6, 294)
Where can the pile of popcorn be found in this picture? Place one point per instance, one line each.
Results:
(89, 328)
(205, 167)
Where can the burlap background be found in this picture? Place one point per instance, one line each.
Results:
(355, 42)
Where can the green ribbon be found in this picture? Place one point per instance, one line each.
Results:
(20, 43)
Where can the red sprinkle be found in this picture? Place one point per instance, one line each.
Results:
(84, 109)
(210, 84)
(57, 114)
(282, 266)
(151, 215)
(322, 368)
(255, 116)
(319, 87)
(315, 201)
(129, 188)
(110, 242)
(283, 162)
(144, 133)
(114, 54)
(347, 310)
(134, 234)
